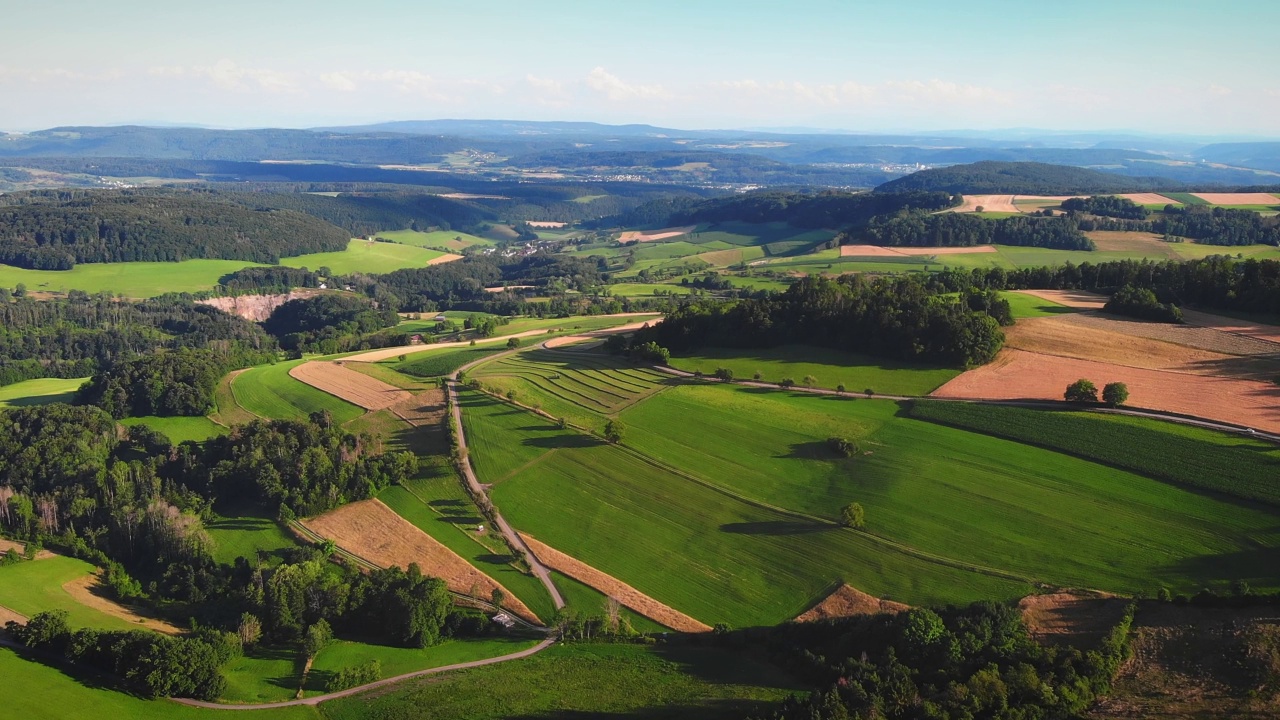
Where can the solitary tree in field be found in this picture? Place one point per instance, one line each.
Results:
(853, 516)
(613, 431)
(724, 374)
(844, 447)
(1115, 394)
(840, 389)
(809, 381)
(513, 343)
(1081, 390)
(786, 383)
(316, 637)
(498, 597)
(249, 630)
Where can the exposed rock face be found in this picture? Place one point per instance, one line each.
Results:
(256, 308)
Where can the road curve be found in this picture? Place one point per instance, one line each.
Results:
(380, 683)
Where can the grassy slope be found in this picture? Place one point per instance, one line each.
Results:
(55, 693)
(452, 239)
(580, 681)
(830, 367)
(269, 391)
(32, 587)
(366, 257)
(612, 510)
(971, 497)
(40, 391)
(444, 361)
(179, 429)
(246, 536)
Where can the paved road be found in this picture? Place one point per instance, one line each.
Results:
(388, 681)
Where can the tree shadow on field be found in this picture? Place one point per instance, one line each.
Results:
(814, 450)
(564, 442)
(718, 709)
(496, 559)
(775, 527)
(439, 504)
(461, 519)
(1256, 566)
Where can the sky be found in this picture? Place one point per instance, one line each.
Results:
(1167, 66)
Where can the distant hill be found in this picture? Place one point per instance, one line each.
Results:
(1264, 155)
(1024, 178)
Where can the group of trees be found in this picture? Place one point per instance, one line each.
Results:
(1142, 303)
(901, 318)
(1206, 225)
(1084, 391)
(179, 382)
(54, 230)
(1106, 206)
(315, 323)
(920, 229)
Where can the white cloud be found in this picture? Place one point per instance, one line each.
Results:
(341, 81)
(228, 75)
(1219, 90)
(612, 87)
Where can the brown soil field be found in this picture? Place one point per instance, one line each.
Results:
(1018, 374)
(1186, 664)
(989, 203)
(1097, 339)
(424, 408)
(1070, 298)
(443, 259)
(1078, 619)
(551, 224)
(356, 388)
(877, 251)
(85, 591)
(1239, 198)
(7, 545)
(376, 533)
(1203, 338)
(848, 601)
(655, 235)
(595, 334)
(7, 616)
(614, 588)
(1114, 240)
(1270, 333)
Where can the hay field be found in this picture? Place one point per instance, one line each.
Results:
(1080, 299)
(1150, 199)
(40, 391)
(847, 601)
(614, 588)
(1150, 244)
(376, 533)
(1071, 618)
(988, 203)
(354, 387)
(1270, 333)
(878, 251)
(1019, 375)
(88, 591)
(1239, 198)
(655, 235)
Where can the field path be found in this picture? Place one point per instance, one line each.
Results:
(380, 683)
(7, 616)
(81, 591)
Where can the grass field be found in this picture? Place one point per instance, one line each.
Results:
(269, 391)
(179, 429)
(36, 586)
(443, 361)
(567, 682)
(40, 391)
(648, 289)
(452, 240)
(589, 602)
(366, 257)
(1029, 306)
(67, 693)
(830, 368)
(385, 373)
(248, 536)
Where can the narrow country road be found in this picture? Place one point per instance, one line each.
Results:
(362, 688)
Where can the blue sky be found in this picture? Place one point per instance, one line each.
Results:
(1181, 66)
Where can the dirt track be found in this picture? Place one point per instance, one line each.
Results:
(847, 601)
(81, 589)
(354, 387)
(614, 588)
(376, 533)
(7, 545)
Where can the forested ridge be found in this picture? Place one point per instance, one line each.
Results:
(1023, 178)
(833, 209)
(919, 229)
(54, 230)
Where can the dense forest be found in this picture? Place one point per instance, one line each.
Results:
(1106, 206)
(826, 209)
(306, 323)
(165, 384)
(54, 230)
(1023, 178)
(920, 229)
(898, 318)
(80, 334)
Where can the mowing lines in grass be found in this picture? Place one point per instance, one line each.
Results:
(268, 391)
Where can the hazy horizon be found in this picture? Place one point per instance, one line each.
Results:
(1085, 67)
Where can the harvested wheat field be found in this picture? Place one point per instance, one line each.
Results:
(82, 590)
(988, 203)
(613, 587)
(356, 388)
(1099, 339)
(373, 531)
(1070, 298)
(1022, 375)
(7, 545)
(1203, 338)
(1239, 198)
(425, 408)
(549, 224)
(1150, 199)
(655, 235)
(1118, 241)
(877, 251)
(1077, 619)
(848, 601)
(1270, 333)
(447, 257)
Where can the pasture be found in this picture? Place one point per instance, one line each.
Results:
(441, 362)
(269, 391)
(179, 429)
(40, 391)
(32, 587)
(830, 368)
(250, 537)
(588, 680)
(452, 240)
(369, 257)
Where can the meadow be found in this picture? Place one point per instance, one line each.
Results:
(366, 257)
(830, 368)
(452, 240)
(250, 537)
(268, 391)
(588, 680)
(440, 362)
(40, 391)
(35, 586)
(179, 429)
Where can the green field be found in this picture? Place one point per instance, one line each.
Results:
(66, 693)
(452, 240)
(179, 429)
(575, 682)
(40, 391)
(589, 602)
(647, 289)
(1185, 198)
(268, 391)
(830, 367)
(442, 361)
(1030, 306)
(32, 587)
(248, 537)
(365, 257)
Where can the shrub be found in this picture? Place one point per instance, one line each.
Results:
(787, 383)
(1081, 391)
(844, 447)
(853, 516)
(724, 374)
(351, 676)
(1115, 394)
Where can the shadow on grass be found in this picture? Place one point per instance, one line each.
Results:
(461, 519)
(439, 504)
(564, 442)
(496, 559)
(775, 527)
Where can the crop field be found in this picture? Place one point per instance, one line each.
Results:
(628, 517)
(249, 537)
(1193, 457)
(356, 388)
(40, 391)
(66, 693)
(588, 680)
(648, 289)
(269, 391)
(572, 384)
(179, 429)
(383, 372)
(368, 257)
(36, 586)
(1186, 198)
(584, 600)
(1023, 305)
(829, 368)
(438, 363)
(450, 239)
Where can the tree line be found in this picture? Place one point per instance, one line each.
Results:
(992, 177)
(922, 229)
(1206, 225)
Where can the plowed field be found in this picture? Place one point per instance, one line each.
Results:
(356, 388)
